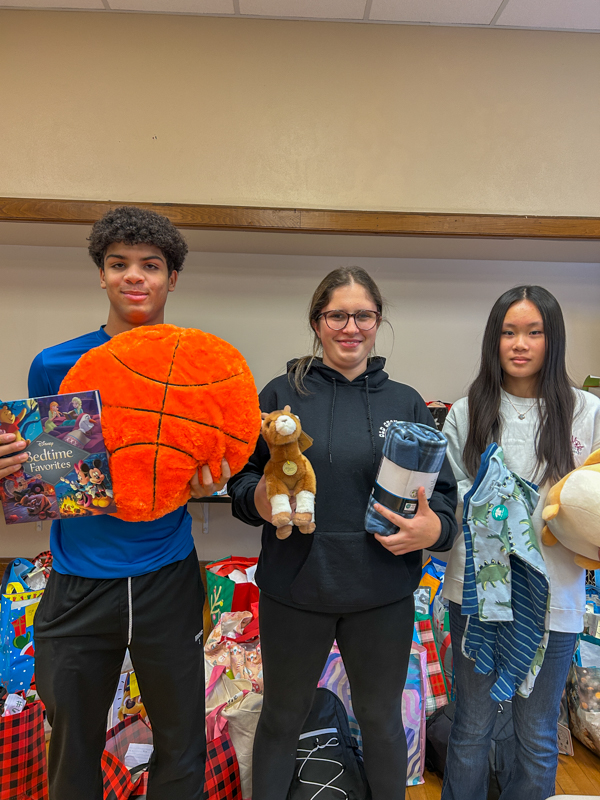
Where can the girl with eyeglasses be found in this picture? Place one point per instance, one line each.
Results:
(341, 583)
(522, 399)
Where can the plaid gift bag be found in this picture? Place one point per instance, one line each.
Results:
(221, 775)
(437, 688)
(118, 783)
(23, 755)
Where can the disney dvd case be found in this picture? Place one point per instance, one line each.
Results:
(66, 475)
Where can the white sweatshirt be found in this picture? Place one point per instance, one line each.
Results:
(567, 580)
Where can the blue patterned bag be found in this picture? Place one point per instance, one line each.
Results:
(413, 455)
(18, 605)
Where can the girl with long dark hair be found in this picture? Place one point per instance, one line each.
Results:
(341, 583)
(523, 400)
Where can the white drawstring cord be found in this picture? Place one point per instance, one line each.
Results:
(333, 742)
(130, 604)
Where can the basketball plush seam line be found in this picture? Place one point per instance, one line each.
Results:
(152, 444)
(176, 416)
(178, 385)
(160, 419)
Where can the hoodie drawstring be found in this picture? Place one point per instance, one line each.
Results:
(331, 422)
(369, 415)
(370, 419)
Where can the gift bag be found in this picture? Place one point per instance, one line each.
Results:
(222, 775)
(414, 703)
(432, 577)
(437, 688)
(441, 631)
(334, 677)
(241, 710)
(231, 586)
(17, 610)
(23, 755)
(119, 783)
(234, 644)
(583, 693)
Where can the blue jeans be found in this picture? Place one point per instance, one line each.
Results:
(535, 721)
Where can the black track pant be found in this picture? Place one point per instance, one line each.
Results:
(375, 646)
(82, 629)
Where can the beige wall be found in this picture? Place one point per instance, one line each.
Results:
(261, 112)
(258, 302)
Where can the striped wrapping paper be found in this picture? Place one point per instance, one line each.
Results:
(413, 455)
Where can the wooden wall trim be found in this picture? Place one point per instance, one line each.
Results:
(306, 220)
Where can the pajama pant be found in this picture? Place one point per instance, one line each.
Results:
(82, 629)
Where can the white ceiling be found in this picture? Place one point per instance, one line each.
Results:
(563, 15)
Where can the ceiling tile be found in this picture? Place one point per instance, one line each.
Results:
(563, 14)
(175, 6)
(54, 4)
(311, 9)
(442, 12)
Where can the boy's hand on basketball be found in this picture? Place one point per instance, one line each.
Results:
(12, 454)
(208, 486)
(418, 533)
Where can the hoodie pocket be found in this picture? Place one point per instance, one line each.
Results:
(353, 571)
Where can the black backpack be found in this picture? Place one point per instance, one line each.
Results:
(502, 750)
(328, 762)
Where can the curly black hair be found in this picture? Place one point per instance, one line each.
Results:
(133, 225)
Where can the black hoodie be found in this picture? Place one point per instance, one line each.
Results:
(340, 567)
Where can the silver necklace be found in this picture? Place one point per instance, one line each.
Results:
(521, 415)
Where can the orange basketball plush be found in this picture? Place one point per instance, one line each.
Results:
(173, 399)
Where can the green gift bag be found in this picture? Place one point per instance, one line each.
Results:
(224, 594)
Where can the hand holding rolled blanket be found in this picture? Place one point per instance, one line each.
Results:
(413, 455)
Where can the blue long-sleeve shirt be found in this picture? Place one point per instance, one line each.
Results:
(103, 546)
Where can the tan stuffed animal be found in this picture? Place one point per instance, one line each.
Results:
(572, 513)
(288, 473)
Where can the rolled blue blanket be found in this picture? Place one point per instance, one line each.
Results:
(413, 455)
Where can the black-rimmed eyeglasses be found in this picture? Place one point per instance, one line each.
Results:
(337, 320)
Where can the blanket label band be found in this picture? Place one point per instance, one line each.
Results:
(404, 483)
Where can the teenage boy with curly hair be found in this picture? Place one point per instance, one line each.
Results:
(115, 584)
